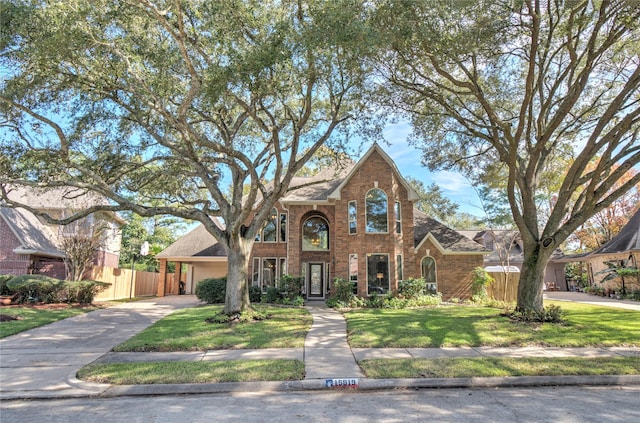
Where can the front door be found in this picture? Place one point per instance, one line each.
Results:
(315, 282)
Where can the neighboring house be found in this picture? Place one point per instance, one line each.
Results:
(623, 250)
(30, 245)
(358, 224)
(507, 254)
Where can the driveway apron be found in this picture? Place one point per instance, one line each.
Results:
(47, 358)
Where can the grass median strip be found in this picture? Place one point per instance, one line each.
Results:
(460, 326)
(193, 372)
(187, 330)
(21, 318)
(493, 366)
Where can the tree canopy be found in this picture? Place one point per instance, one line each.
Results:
(539, 89)
(162, 107)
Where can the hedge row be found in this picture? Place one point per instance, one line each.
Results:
(44, 289)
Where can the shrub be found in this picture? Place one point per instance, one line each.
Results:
(481, 280)
(377, 301)
(35, 288)
(82, 292)
(212, 290)
(273, 295)
(550, 314)
(4, 289)
(290, 287)
(255, 294)
(412, 288)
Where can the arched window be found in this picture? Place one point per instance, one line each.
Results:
(428, 266)
(269, 232)
(376, 208)
(315, 234)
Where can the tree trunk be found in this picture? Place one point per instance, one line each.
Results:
(531, 284)
(237, 296)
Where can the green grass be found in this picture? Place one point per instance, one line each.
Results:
(33, 317)
(458, 326)
(490, 367)
(187, 330)
(193, 372)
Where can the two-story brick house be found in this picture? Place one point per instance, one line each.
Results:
(358, 224)
(30, 245)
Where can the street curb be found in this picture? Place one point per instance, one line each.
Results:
(371, 385)
(94, 390)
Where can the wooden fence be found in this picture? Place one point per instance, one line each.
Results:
(505, 287)
(126, 283)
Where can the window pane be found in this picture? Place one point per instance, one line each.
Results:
(429, 274)
(315, 234)
(353, 219)
(268, 273)
(398, 218)
(255, 280)
(269, 231)
(376, 208)
(283, 227)
(399, 267)
(377, 273)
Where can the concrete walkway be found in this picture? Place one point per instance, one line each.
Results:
(43, 362)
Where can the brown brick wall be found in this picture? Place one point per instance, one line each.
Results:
(453, 271)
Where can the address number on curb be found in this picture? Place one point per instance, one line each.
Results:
(341, 383)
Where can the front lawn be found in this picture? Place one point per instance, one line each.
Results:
(499, 366)
(193, 372)
(459, 326)
(29, 317)
(187, 330)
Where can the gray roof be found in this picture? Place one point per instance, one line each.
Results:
(197, 243)
(626, 241)
(34, 236)
(448, 238)
(317, 187)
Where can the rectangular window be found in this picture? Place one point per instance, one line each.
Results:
(353, 272)
(399, 272)
(283, 266)
(283, 227)
(353, 217)
(398, 218)
(327, 278)
(377, 274)
(268, 273)
(255, 279)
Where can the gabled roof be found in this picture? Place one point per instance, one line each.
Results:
(327, 185)
(626, 241)
(412, 194)
(34, 236)
(196, 243)
(446, 239)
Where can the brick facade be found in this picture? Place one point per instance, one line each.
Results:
(453, 270)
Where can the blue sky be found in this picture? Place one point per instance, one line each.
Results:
(455, 186)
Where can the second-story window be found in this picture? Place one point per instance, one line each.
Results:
(269, 233)
(376, 208)
(398, 213)
(315, 234)
(353, 217)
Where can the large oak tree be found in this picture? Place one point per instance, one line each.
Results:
(523, 85)
(171, 102)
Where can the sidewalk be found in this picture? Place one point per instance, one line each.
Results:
(42, 363)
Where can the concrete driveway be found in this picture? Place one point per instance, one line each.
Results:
(581, 297)
(46, 359)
